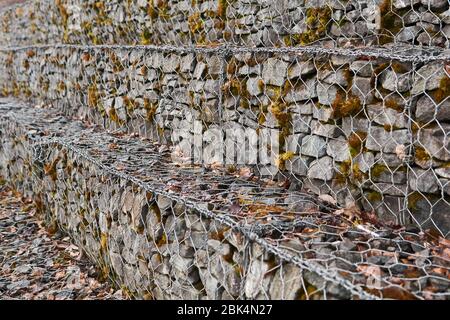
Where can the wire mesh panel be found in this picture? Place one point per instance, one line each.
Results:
(362, 127)
(166, 230)
(236, 22)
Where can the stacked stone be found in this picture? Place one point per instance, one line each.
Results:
(241, 22)
(362, 129)
(154, 231)
(151, 244)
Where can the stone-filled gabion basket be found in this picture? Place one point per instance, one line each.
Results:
(237, 149)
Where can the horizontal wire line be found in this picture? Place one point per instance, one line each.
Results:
(377, 52)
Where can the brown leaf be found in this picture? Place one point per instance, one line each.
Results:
(113, 146)
(351, 211)
(328, 198)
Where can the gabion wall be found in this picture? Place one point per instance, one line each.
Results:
(165, 231)
(362, 128)
(236, 22)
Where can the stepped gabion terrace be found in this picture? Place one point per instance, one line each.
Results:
(237, 149)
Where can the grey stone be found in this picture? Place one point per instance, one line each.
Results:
(365, 161)
(362, 88)
(313, 146)
(322, 113)
(401, 4)
(199, 71)
(301, 69)
(434, 4)
(254, 87)
(298, 165)
(305, 91)
(387, 116)
(326, 93)
(378, 139)
(390, 175)
(443, 172)
(395, 82)
(301, 108)
(430, 212)
(324, 129)
(322, 169)
(436, 141)
(445, 16)
(301, 123)
(427, 109)
(408, 33)
(338, 150)
(428, 77)
(424, 181)
(286, 283)
(274, 72)
(255, 277)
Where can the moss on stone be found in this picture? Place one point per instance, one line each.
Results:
(420, 154)
(391, 22)
(150, 108)
(146, 37)
(443, 92)
(378, 169)
(317, 23)
(414, 198)
(92, 95)
(281, 159)
(195, 23)
(356, 139)
(374, 196)
(393, 104)
(345, 104)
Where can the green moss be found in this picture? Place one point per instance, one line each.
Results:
(374, 196)
(114, 116)
(356, 140)
(393, 104)
(317, 24)
(92, 96)
(280, 162)
(222, 9)
(413, 199)
(391, 22)
(195, 23)
(146, 37)
(377, 170)
(349, 171)
(150, 109)
(421, 154)
(236, 87)
(443, 91)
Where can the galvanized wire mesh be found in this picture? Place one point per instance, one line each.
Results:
(171, 231)
(349, 139)
(236, 22)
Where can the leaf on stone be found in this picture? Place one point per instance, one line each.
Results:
(328, 198)
(351, 211)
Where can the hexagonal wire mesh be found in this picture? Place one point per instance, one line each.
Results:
(350, 144)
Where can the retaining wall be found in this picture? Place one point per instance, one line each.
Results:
(165, 231)
(236, 22)
(356, 125)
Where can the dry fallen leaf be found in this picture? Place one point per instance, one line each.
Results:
(245, 172)
(351, 211)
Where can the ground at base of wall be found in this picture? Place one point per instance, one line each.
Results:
(37, 265)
